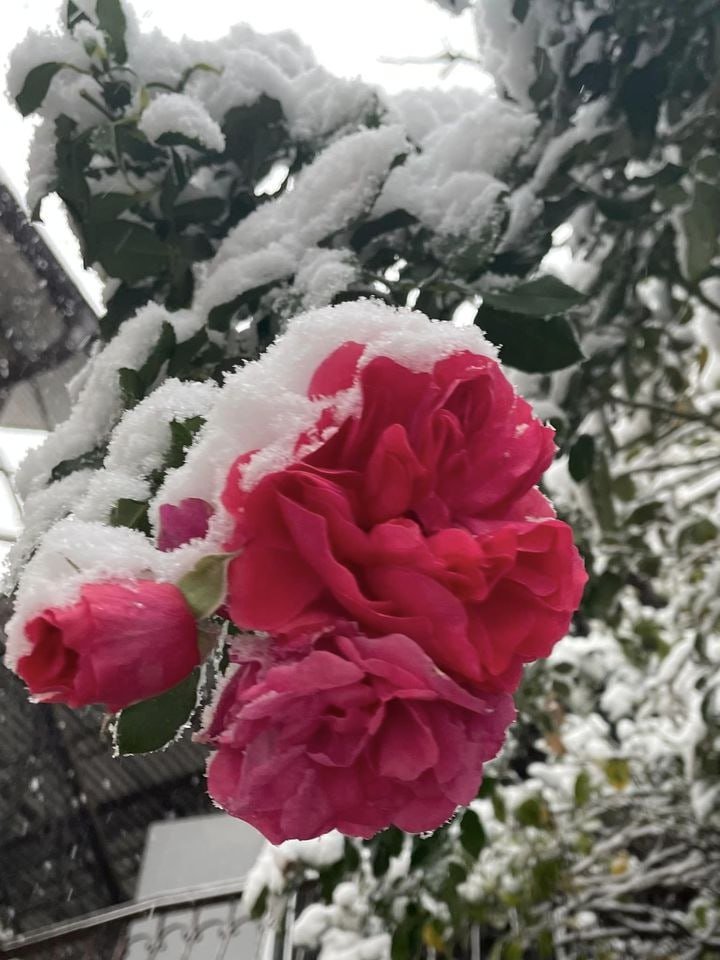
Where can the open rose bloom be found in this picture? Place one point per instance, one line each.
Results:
(373, 483)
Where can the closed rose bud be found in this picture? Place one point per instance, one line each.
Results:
(120, 643)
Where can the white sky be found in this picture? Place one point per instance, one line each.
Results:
(349, 38)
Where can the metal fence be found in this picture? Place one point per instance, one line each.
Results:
(205, 923)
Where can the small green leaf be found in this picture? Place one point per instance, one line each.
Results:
(108, 206)
(542, 297)
(530, 343)
(498, 805)
(132, 389)
(132, 514)
(582, 788)
(34, 90)
(196, 68)
(111, 20)
(160, 353)
(131, 252)
(204, 210)
(472, 834)
(698, 532)
(182, 433)
(546, 876)
(533, 812)
(386, 845)
(205, 586)
(582, 457)
(617, 771)
(513, 951)
(86, 461)
(74, 15)
(151, 724)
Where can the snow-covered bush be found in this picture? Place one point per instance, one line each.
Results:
(571, 215)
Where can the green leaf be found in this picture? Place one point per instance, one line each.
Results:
(698, 532)
(132, 389)
(701, 224)
(132, 514)
(513, 950)
(122, 305)
(545, 945)
(205, 586)
(582, 457)
(37, 83)
(498, 805)
(182, 434)
(407, 940)
(542, 297)
(108, 206)
(151, 724)
(186, 353)
(160, 353)
(86, 461)
(530, 343)
(472, 834)
(617, 772)
(582, 788)
(546, 876)
(74, 15)
(196, 68)
(201, 211)
(111, 20)
(131, 252)
(386, 845)
(533, 812)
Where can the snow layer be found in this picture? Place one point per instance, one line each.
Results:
(99, 405)
(178, 113)
(272, 392)
(324, 199)
(454, 183)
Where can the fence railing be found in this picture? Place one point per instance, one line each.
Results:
(202, 923)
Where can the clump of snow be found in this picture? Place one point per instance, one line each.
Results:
(41, 510)
(322, 274)
(272, 867)
(139, 444)
(178, 113)
(41, 162)
(40, 47)
(324, 199)
(93, 40)
(99, 404)
(454, 182)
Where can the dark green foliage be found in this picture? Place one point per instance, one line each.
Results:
(37, 83)
(148, 726)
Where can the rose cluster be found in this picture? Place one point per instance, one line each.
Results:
(397, 565)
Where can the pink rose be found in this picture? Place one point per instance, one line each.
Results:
(420, 517)
(356, 735)
(118, 644)
(182, 523)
